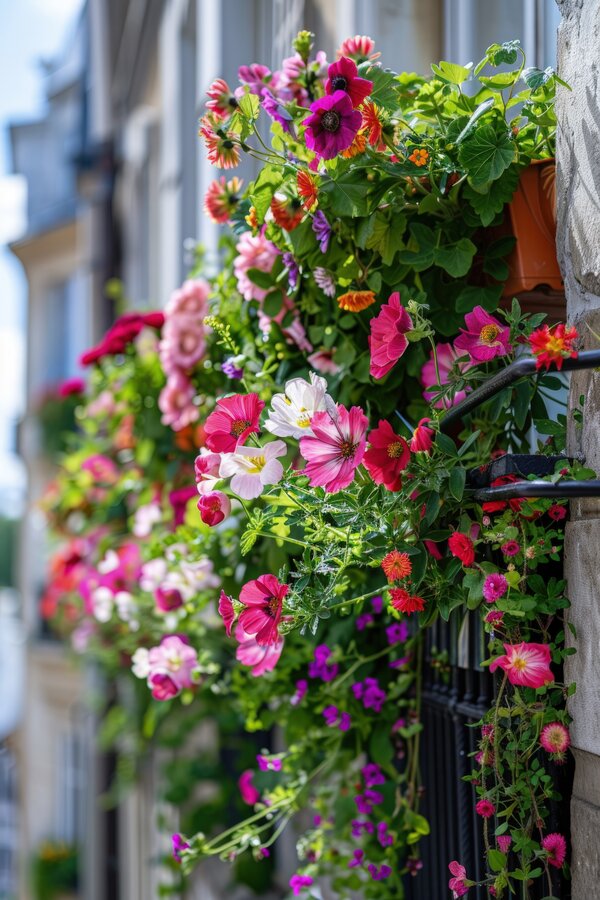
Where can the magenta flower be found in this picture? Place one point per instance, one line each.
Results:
(485, 808)
(332, 125)
(556, 740)
(268, 763)
(378, 874)
(234, 419)
(248, 792)
(263, 598)
(388, 341)
(372, 775)
(178, 845)
(321, 667)
(299, 882)
(484, 338)
(333, 717)
(336, 447)
(261, 658)
(214, 507)
(494, 587)
(446, 356)
(300, 693)
(168, 598)
(556, 847)
(458, 884)
(322, 230)
(511, 548)
(227, 612)
(504, 842)
(526, 664)
(343, 76)
(276, 110)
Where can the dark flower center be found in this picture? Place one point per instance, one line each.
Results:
(330, 120)
(347, 449)
(239, 426)
(272, 607)
(339, 83)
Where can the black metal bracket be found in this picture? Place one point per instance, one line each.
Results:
(566, 490)
(520, 368)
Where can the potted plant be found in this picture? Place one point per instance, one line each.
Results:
(54, 870)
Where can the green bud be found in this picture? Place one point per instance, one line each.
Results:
(303, 43)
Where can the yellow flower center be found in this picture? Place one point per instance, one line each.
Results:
(394, 450)
(488, 334)
(519, 663)
(303, 420)
(239, 426)
(258, 464)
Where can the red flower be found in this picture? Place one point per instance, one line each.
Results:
(235, 418)
(343, 76)
(422, 439)
(404, 602)
(121, 334)
(214, 506)
(396, 565)
(287, 212)
(556, 847)
(387, 456)
(373, 123)
(222, 198)
(461, 546)
(263, 599)
(552, 345)
(387, 341)
(557, 512)
(307, 190)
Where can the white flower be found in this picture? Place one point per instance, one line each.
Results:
(200, 575)
(102, 603)
(145, 518)
(253, 468)
(153, 573)
(126, 605)
(109, 562)
(140, 663)
(292, 411)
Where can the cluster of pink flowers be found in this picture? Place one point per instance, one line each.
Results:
(257, 629)
(181, 348)
(168, 668)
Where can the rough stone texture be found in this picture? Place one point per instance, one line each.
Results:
(578, 195)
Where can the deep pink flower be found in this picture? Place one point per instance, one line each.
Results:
(179, 499)
(256, 76)
(214, 507)
(484, 338)
(458, 884)
(343, 76)
(556, 740)
(234, 419)
(461, 546)
(178, 845)
(71, 386)
(388, 341)
(254, 252)
(494, 587)
(263, 598)
(162, 685)
(102, 469)
(422, 437)
(248, 792)
(221, 101)
(504, 841)
(555, 846)
(387, 456)
(268, 763)
(332, 125)
(511, 548)
(176, 401)
(485, 808)
(336, 447)
(359, 47)
(557, 512)
(526, 664)
(206, 467)
(226, 611)
(172, 665)
(168, 598)
(261, 658)
(298, 882)
(446, 356)
(495, 617)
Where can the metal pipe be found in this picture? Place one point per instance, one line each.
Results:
(520, 368)
(537, 488)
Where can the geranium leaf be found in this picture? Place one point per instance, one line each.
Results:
(486, 153)
(456, 258)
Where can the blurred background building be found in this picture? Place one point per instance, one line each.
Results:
(115, 179)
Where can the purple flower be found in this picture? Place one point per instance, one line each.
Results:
(385, 839)
(360, 826)
(333, 717)
(230, 369)
(292, 267)
(321, 667)
(379, 874)
(377, 604)
(325, 281)
(178, 845)
(298, 882)
(372, 696)
(494, 587)
(322, 229)
(372, 775)
(301, 689)
(397, 633)
(345, 721)
(414, 866)
(366, 801)
(256, 76)
(266, 764)
(364, 620)
(274, 108)
(357, 859)
(332, 125)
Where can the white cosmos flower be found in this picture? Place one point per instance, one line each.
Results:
(291, 412)
(140, 663)
(103, 601)
(253, 468)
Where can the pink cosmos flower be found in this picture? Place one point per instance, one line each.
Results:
(336, 447)
(526, 664)
(176, 402)
(555, 846)
(263, 598)
(254, 252)
(387, 341)
(556, 740)
(458, 883)
(504, 842)
(332, 125)
(484, 338)
(256, 76)
(446, 356)
(261, 658)
(227, 612)
(485, 808)
(248, 792)
(253, 468)
(343, 76)
(206, 467)
(494, 587)
(234, 419)
(214, 507)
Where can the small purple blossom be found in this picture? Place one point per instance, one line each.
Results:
(397, 633)
(372, 775)
(321, 667)
(361, 826)
(366, 801)
(333, 716)
(358, 858)
(178, 845)
(276, 110)
(379, 874)
(292, 268)
(414, 866)
(372, 696)
(301, 689)
(494, 587)
(298, 882)
(268, 764)
(325, 281)
(363, 620)
(385, 839)
(377, 604)
(322, 230)
(230, 369)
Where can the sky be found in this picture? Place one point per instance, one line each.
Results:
(30, 30)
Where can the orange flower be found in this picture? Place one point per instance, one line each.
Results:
(356, 301)
(419, 156)
(396, 565)
(373, 124)
(221, 199)
(252, 219)
(223, 149)
(287, 212)
(307, 190)
(403, 602)
(357, 146)
(552, 345)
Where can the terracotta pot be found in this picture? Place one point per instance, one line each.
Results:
(532, 218)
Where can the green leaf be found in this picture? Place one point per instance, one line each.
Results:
(507, 52)
(480, 111)
(261, 279)
(249, 104)
(471, 296)
(347, 195)
(272, 304)
(456, 258)
(421, 249)
(456, 482)
(499, 81)
(486, 154)
(489, 202)
(380, 746)
(385, 85)
(386, 237)
(450, 72)
(497, 860)
(446, 444)
(263, 189)
(535, 78)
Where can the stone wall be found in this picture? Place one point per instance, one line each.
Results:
(578, 158)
